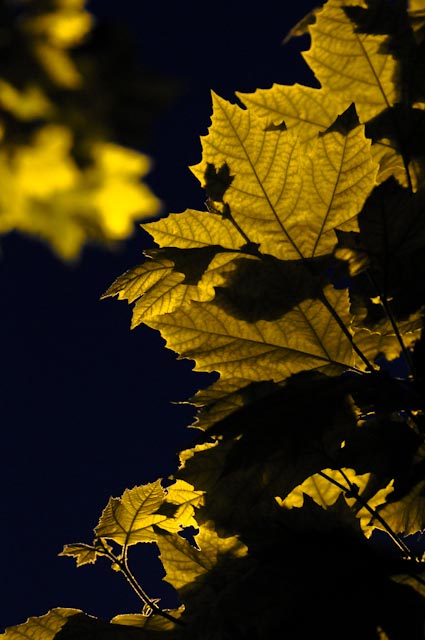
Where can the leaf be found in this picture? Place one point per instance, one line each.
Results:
(130, 519)
(384, 341)
(407, 515)
(184, 563)
(85, 627)
(43, 627)
(305, 110)
(194, 229)
(152, 622)
(307, 337)
(277, 196)
(63, 178)
(154, 286)
(47, 194)
(350, 64)
(84, 553)
(140, 279)
(186, 498)
(325, 493)
(161, 286)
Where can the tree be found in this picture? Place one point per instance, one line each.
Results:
(296, 508)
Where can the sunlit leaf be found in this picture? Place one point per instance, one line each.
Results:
(325, 493)
(307, 337)
(43, 627)
(406, 515)
(65, 179)
(130, 519)
(85, 627)
(47, 194)
(277, 196)
(184, 563)
(84, 553)
(153, 623)
(186, 498)
(350, 64)
(160, 286)
(304, 110)
(194, 229)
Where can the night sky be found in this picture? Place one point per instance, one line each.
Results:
(87, 405)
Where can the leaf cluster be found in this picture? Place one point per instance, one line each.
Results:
(74, 106)
(301, 285)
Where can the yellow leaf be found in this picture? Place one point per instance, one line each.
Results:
(183, 563)
(41, 628)
(349, 64)
(130, 519)
(47, 194)
(307, 337)
(27, 103)
(287, 200)
(325, 493)
(304, 110)
(185, 496)
(407, 515)
(194, 229)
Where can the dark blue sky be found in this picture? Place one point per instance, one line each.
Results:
(86, 404)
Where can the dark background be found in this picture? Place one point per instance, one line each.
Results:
(86, 404)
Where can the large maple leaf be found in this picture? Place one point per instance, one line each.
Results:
(275, 208)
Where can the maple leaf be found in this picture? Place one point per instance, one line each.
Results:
(276, 195)
(286, 211)
(304, 110)
(68, 624)
(323, 491)
(43, 627)
(407, 514)
(350, 64)
(184, 563)
(130, 519)
(84, 553)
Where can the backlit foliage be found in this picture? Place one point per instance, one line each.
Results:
(300, 284)
(65, 176)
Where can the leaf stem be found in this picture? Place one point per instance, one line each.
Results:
(385, 305)
(137, 588)
(346, 332)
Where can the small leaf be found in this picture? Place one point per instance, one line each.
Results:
(84, 553)
(130, 519)
(217, 181)
(186, 498)
(151, 622)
